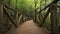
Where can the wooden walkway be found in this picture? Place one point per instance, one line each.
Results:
(29, 27)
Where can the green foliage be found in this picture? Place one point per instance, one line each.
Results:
(28, 6)
(0, 1)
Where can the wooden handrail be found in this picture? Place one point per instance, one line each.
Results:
(47, 6)
(10, 17)
(16, 10)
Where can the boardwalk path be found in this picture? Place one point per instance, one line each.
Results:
(29, 27)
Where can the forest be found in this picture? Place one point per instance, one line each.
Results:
(23, 16)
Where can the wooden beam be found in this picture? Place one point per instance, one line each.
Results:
(20, 17)
(10, 17)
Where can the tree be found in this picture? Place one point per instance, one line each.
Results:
(53, 10)
(1, 17)
(16, 13)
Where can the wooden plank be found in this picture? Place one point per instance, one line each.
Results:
(19, 19)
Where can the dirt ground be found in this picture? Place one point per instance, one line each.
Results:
(29, 27)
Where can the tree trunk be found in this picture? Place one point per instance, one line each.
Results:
(53, 18)
(16, 13)
(35, 11)
(1, 18)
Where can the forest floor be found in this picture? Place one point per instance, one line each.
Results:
(28, 27)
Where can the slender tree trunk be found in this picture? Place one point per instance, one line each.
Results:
(35, 2)
(16, 13)
(1, 17)
(53, 18)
